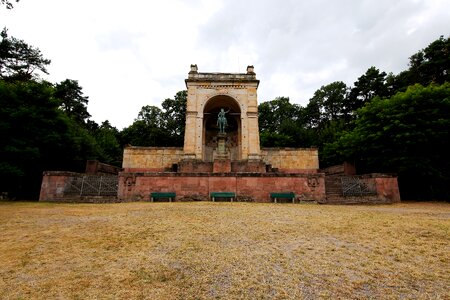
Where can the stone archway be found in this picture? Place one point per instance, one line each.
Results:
(210, 128)
(207, 94)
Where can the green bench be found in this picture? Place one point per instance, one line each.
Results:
(282, 195)
(162, 195)
(215, 195)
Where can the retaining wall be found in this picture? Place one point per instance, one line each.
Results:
(254, 187)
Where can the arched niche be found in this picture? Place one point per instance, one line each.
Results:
(210, 129)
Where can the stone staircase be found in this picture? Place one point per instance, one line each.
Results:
(333, 189)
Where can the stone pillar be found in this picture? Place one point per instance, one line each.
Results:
(189, 134)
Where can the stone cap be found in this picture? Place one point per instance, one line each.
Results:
(195, 76)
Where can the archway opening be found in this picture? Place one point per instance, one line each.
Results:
(211, 130)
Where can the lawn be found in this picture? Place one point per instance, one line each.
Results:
(224, 251)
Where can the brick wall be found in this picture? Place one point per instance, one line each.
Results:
(138, 186)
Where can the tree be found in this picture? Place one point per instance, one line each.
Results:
(367, 87)
(407, 134)
(156, 127)
(174, 116)
(432, 64)
(72, 101)
(278, 123)
(34, 136)
(107, 138)
(7, 3)
(273, 113)
(328, 103)
(20, 61)
(147, 129)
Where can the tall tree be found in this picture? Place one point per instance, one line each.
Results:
(367, 87)
(72, 100)
(107, 139)
(278, 123)
(34, 136)
(175, 116)
(432, 64)
(20, 61)
(329, 103)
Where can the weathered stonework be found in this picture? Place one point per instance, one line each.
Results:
(253, 187)
(207, 94)
(292, 160)
(230, 161)
(150, 158)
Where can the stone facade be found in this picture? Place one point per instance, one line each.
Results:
(150, 159)
(207, 94)
(55, 184)
(94, 167)
(384, 187)
(222, 162)
(292, 160)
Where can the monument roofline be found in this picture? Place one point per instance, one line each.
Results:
(195, 76)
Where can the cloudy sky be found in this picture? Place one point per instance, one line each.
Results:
(127, 54)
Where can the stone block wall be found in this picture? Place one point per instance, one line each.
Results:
(54, 186)
(156, 159)
(95, 167)
(54, 183)
(344, 169)
(292, 160)
(385, 185)
(255, 187)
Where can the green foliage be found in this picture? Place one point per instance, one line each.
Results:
(368, 86)
(330, 102)
(407, 134)
(32, 131)
(432, 64)
(107, 139)
(175, 117)
(18, 60)
(156, 127)
(72, 101)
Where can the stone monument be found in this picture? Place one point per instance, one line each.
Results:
(221, 155)
(221, 149)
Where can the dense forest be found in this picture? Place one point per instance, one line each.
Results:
(383, 123)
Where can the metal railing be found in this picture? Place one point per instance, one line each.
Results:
(89, 185)
(354, 186)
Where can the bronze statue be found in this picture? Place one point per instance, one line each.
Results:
(222, 120)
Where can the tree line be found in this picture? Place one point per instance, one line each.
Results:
(47, 126)
(383, 123)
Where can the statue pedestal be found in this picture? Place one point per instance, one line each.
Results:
(222, 161)
(222, 166)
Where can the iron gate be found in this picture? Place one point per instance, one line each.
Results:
(89, 185)
(354, 186)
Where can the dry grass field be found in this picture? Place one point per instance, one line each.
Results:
(224, 251)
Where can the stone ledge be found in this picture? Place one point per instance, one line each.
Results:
(62, 173)
(240, 174)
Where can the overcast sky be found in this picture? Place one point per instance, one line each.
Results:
(127, 54)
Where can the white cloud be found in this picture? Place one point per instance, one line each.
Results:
(130, 54)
